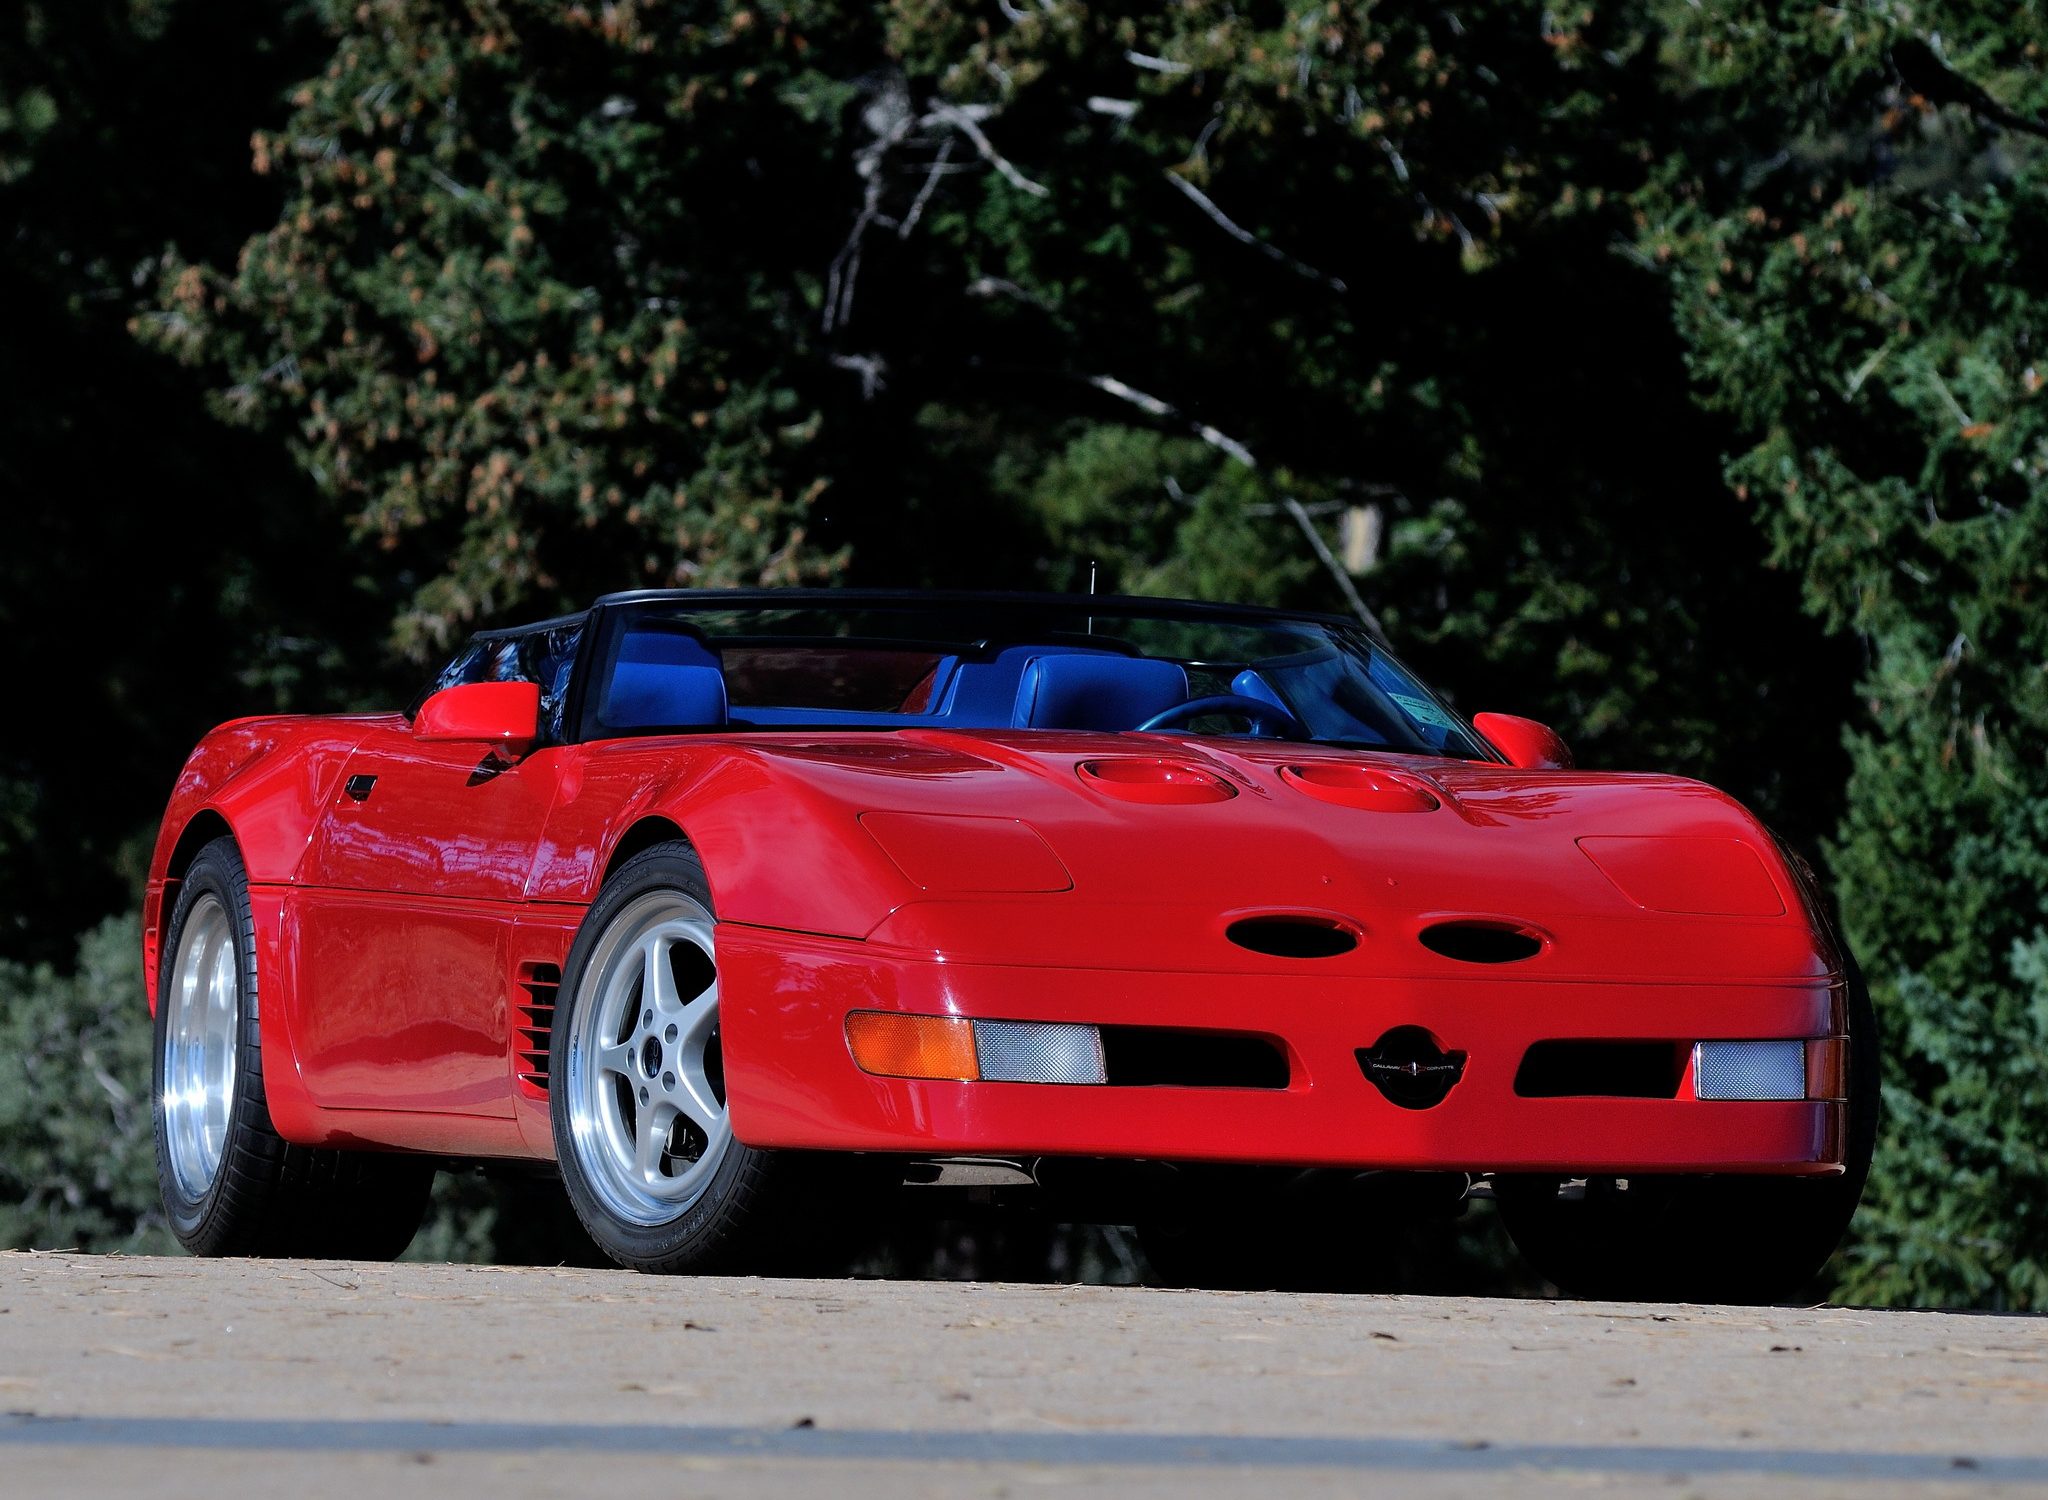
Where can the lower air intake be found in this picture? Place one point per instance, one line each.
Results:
(1152, 1057)
(1601, 1070)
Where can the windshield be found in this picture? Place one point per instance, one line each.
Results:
(666, 666)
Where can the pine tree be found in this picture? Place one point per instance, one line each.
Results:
(1863, 281)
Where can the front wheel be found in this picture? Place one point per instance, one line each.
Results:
(638, 1102)
(1702, 1239)
(230, 1184)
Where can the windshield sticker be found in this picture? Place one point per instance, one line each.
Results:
(1422, 711)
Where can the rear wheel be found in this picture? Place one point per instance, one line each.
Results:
(231, 1185)
(1702, 1239)
(638, 1100)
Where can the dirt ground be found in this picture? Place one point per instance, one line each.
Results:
(175, 1377)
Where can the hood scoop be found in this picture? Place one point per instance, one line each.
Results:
(1474, 942)
(1293, 935)
(1369, 788)
(1158, 783)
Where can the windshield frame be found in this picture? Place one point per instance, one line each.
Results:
(610, 613)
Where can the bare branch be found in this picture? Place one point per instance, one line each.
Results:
(871, 369)
(1394, 157)
(964, 121)
(997, 286)
(1221, 441)
(924, 194)
(1336, 569)
(1153, 406)
(896, 123)
(1244, 236)
(1156, 64)
(1102, 104)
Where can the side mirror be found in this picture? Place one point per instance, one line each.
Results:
(1526, 743)
(483, 713)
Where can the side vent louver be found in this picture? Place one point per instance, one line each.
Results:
(538, 984)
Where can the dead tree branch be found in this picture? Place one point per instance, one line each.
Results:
(1244, 236)
(1335, 569)
(1224, 443)
(967, 120)
(924, 194)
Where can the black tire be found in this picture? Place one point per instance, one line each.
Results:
(1755, 1240)
(739, 1219)
(267, 1196)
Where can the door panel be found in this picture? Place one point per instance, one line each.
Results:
(402, 1004)
(445, 821)
(405, 904)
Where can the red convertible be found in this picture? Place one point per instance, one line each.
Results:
(1210, 920)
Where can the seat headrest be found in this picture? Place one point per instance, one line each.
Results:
(1096, 692)
(665, 679)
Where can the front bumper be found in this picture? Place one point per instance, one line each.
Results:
(791, 1081)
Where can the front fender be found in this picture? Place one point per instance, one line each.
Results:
(268, 780)
(778, 851)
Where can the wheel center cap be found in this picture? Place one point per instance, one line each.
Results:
(650, 1056)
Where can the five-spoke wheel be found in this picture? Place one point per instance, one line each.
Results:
(638, 1095)
(646, 1089)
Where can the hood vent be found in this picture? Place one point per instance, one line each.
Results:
(1293, 936)
(1370, 788)
(1482, 942)
(1161, 783)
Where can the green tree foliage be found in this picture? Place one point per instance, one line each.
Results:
(528, 313)
(77, 1162)
(1861, 283)
(158, 573)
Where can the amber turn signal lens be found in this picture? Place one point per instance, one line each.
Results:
(897, 1046)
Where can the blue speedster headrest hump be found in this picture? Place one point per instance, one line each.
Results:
(1096, 692)
(665, 679)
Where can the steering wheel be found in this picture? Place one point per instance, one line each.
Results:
(1269, 721)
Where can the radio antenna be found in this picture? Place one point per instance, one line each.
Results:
(1091, 592)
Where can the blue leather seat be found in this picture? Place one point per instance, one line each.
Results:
(665, 679)
(1071, 691)
(983, 694)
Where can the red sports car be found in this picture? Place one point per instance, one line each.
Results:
(1215, 921)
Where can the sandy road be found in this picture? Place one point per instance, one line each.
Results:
(224, 1379)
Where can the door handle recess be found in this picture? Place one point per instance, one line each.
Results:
(359, 786)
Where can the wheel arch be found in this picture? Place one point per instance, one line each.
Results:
(641, 835)
(204, 827)
(201, 829)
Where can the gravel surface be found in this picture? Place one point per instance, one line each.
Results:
(216, 1378)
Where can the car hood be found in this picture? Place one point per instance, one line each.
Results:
(1615, 876)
